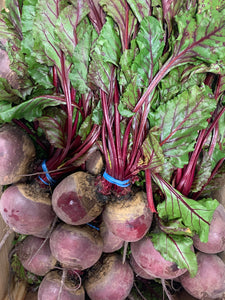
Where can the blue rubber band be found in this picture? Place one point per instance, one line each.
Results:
(93, 226)
(121, 183)
(45, 169)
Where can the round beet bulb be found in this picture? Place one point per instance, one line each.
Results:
(74, 199)
(77, 247)
(129, 219)
(27, 209)
(109, 279)
(35, 255)
(17, 152)
(50, 287)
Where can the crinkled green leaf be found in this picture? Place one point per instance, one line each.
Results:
(201, 38)
(67, 30)
(40, 73)
(176, 249)
(180, 120)
(196, 215)
(152, 156)
(105, 54)
(8, 93)
(46, 47)
(140, 8)
(53, 123)
(117, 10)
(80, 58)
(85, 128)
(97, 114)
(150, 40)
(29, 109)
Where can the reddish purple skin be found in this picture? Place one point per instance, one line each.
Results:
(75, 246)
(209, 282)
(50, 287)
(130, 230)
(152, 262)
(216, 237)
(74, 204)
(111, 242)
(23, 215)
(70, 204)
(138, 270)
(34, 260)
(115, 283)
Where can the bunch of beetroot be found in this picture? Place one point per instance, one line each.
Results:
(110, 143)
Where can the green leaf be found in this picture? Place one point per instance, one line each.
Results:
(201, 38)
(40, 73)
(196, 215)
(8, 93)
(80, 58)
(104, 55)
(152, 157)
(175, 227)
(45, 48)
(140, 8)
(67, 29)
(177, 249)
(117, 10)
(180, 120)
(85, 128)
(53, 123)
(29, 109)
(150, 40)
(97, 114)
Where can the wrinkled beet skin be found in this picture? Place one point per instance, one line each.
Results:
(209, 282)
(75, 246)
(74, 199)
(16, 154)
(23, 215)
(50, 287)
(113, 281)
(152, 262)
(34, 256)
(216, 237)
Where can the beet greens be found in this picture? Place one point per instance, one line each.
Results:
(143, 82)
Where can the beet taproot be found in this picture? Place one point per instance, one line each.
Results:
(75, 200)
(17, 152)
(129, 219)
(27, 209)
(77, 247)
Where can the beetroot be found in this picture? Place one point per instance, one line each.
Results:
(109, 279)
(209, 282)
(216, 237)
(129, 219)
(16, 154)
(111, 242)
(152, 262)
(77, 247)
(35, 255)
(74, 199)
(50, 288)
(27, 209)
(138, 270)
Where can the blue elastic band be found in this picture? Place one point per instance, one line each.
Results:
(118, 182)
(45, 169)
(93, 226)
